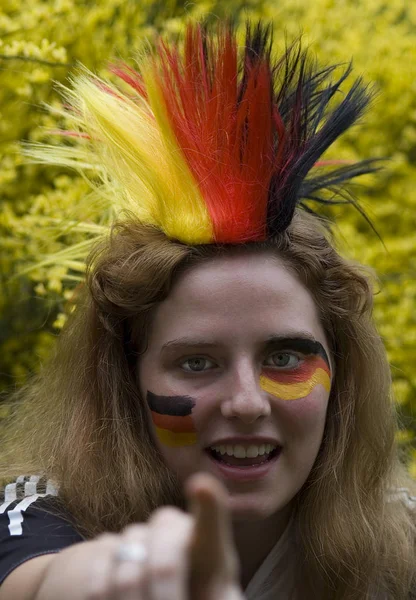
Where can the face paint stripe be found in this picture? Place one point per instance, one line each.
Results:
(303, 373)
(302, 345)
(320, 351)
(172, 420)
(175, 424)
(174, 440)
(295, 391)
(175, 406)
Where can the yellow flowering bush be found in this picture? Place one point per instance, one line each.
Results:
(41, 42)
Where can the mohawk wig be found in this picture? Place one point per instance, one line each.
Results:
(211, 146)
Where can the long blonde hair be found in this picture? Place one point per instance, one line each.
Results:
(82, 422)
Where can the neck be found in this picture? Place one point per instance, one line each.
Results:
(255, 539)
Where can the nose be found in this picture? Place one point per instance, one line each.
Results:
(243, 398)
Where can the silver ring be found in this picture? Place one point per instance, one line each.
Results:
(132, 551)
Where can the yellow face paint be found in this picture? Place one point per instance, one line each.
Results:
(296, 383)
(172, 419)
(175, 439)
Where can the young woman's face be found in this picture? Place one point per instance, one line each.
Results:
(236, 378)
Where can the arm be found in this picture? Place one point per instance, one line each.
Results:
(182, 548)
(25, 580)
(33, 529)
(60, 575)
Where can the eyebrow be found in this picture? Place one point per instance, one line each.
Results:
(301, 341)
(189, 341)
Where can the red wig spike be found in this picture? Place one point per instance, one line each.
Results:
(224, 131)
(130, 76)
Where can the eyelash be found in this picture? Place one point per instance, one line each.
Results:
(290, 354)
(196, 358)
(283, 353)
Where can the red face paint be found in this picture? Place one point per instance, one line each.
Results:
(297, 382)
(171, 416)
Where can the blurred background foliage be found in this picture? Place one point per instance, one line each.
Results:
(41, 42)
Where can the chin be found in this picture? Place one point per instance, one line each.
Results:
(251, 509)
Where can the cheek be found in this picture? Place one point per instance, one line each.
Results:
(309, 410)
(183, 461)
(173, 431)
(172, 420)
(302, 396)
(175, 420)
(301, 400)
(177, 439)
(303, 423)
(296, 384)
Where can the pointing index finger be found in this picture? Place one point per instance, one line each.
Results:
(212, 546)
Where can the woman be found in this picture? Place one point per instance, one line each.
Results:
(221, 356)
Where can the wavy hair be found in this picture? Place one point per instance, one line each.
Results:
(82, 421)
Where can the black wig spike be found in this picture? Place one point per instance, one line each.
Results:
(305, 127)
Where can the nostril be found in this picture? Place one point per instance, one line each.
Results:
(247, 407)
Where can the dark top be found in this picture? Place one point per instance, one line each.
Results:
(28, 525)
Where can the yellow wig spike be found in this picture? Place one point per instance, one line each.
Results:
(134, 152)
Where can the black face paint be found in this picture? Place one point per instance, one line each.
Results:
(171, 416)
(176, 406)
(298, 344)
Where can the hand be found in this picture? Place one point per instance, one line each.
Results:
(188, 556)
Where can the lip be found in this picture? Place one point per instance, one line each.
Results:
(252, 473)
(255, 440)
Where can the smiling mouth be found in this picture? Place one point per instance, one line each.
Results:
(243, 462)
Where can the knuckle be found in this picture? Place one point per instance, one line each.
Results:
(129, 580)
(166, 512)
(97, 590)
(169, 514)
(134, 529)
(96, 593)
(163, 572)
(106, 538)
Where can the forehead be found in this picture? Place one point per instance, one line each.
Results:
(236, 297)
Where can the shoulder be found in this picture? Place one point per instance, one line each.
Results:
(32, 522)
(26, 486)
(19, 497)
(29, 507)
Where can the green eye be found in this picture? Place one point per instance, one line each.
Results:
(197, 364)
(282, 359)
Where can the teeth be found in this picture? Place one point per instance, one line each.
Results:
(240, 451)
(252, 451)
